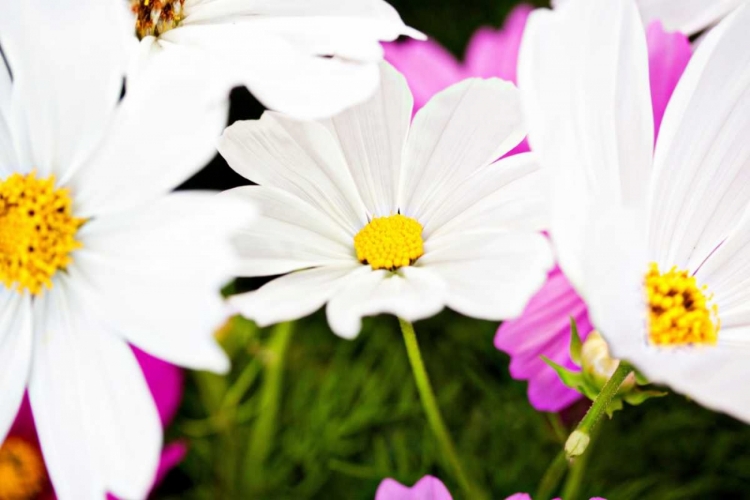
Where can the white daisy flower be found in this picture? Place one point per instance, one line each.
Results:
(308, 58)
(686, 16)
(94, 252)
(373, 214)
(656, 242)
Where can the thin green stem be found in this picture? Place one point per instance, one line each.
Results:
(429, 403)
(580, 438)
(264, 430)
(573, 483)
(552, 477)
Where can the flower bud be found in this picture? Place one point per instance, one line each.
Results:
(597, 364)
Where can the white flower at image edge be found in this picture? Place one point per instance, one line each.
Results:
(686, 16)
(307, 58)
(372, 214)
(94, 252)
(656, 241)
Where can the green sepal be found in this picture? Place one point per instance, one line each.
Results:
(637, 397)
(640, 379)
(571, 379)
(575, 342)
(615, 405)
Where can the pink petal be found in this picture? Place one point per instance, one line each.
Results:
(428, 488)
(544, 329)
(668, 55)
(166, 383)
(427, 66)
(494, 53)
(519, 496)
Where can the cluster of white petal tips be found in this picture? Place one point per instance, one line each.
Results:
(323, 182)
(625, 214)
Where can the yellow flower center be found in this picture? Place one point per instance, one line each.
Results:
(37, 232)
(22, 472)
(390, 242)
(155, 17)
(681, 312)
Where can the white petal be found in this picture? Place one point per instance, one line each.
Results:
(6, 86)
(411, 294)
(727, 274)
(702, 163)
(712, 376)
(66, 86)
(490, 274)
(290, 234)
(372, 137)
(508, 195)
(332, 46)
(155, 274)
(15, 354)
(164, 131)
(687, 16)
(352, 12)
(617, 262)
(96, 419)
(460, 130)
(8, 159)
(272, 68)
(301, 158)
(583, 73)
(295, 295)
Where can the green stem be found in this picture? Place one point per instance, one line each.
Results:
(580, 438)
(264, 430)
(573, 483)
(429, 403)
(552, 477)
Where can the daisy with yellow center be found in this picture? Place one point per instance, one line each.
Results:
(96, 252)
(655, 239)
(370, 213)
(271, 46)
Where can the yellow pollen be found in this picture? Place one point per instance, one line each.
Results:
(681, 311)
(37, 232)
(390, 242)
(156, 17)
(22, 472)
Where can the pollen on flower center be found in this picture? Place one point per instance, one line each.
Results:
(681, 311)
(155, 17)
(37, 232)
(22, 472)
(390, 242)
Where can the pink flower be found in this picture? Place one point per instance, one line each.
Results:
(21, 464)
(544, 328)
(428, 488)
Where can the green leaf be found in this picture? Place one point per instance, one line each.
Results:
(575, 342)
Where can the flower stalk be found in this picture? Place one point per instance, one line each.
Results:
(581, 437)
(429, 403)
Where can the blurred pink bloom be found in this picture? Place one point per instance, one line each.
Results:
(543, 329)
(428, 488)
(166, 384)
